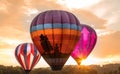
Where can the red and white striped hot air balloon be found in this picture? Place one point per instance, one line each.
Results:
(27, 55)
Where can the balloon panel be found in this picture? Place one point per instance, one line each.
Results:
(86, 43)
(55, 32)
(27, 55)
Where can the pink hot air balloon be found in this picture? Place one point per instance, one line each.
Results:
(85, 45)
(27, 55)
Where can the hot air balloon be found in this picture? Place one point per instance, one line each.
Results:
(27, 55)
(55, 34)
(85, 45)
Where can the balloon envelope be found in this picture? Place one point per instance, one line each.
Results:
(27, 55)
(85, 45)
(55, 34)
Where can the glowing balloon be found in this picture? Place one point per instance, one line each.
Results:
(55, 34)
(85, 45)
(27, 55)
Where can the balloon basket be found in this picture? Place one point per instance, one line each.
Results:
(56, 68)
(27, 71)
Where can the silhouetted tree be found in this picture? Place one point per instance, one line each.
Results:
(110, 72)
(105, 73)
(118, 70)
(115, 72)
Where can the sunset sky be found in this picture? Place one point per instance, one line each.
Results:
(102, 15)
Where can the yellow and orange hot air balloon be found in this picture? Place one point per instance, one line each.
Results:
(55, 34)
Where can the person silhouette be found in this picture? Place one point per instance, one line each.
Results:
(56, 49)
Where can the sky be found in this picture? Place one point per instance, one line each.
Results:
(102, 15)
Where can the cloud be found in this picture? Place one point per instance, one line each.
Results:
(8, 57)
(107, 45)
(77, 4)
(110, 11)
(10, 37)
(9, 43)
(90, 18)
(102, 32)
(12, 26)
(4, 45)
(14, 16)
(45, 5)
(3, 7)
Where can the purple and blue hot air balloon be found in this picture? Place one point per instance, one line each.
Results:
(27, 55)
(55, 34)
(85, 45)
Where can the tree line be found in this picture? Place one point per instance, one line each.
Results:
(68, 69)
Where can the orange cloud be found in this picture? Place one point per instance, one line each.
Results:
(107, 45)
(90, 18)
